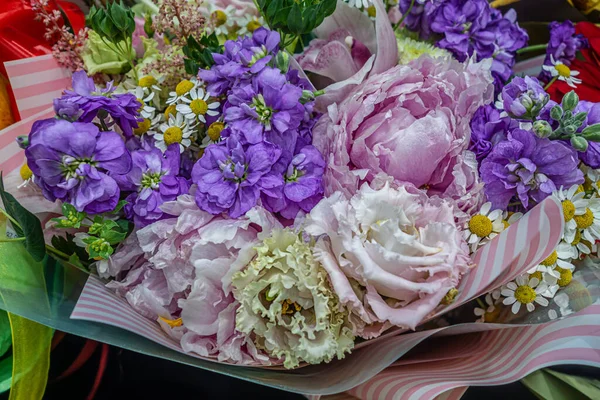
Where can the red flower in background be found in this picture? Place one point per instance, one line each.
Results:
(589, 70)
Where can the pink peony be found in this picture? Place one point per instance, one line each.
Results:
(409, 123)
(391, 255)
(181, 268)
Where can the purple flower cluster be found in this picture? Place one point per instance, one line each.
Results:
(528, 168)
(74, 162)
(487, 130)
(563, 44)
(524, 98)
(86, 100)
(267, 152)
(419, 16)
(153, 180)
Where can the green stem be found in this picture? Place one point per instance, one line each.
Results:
(481, 304)
(6, 240)
(412, 3)
(11, 219)
(550, 83)
(534, 47)
(57, 253)
(103, 124)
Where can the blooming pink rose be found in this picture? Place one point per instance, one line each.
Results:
(391, 255)
(410, 123)
(181, 267)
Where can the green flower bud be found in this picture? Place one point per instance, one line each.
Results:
(570, 101)
(556, 113)
(579, 143)
(570, 129)
(282, 60)
(592, 133)
(542, 128)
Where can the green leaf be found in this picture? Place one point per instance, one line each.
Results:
(30, 226)
(5, 333)
(553, 385)
(592, 133)
(6, 374)
(294, 20)
(68, 246)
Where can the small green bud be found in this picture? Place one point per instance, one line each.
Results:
(570, 129)
(148, 28)
(556, 113)
(542, 128)
(579, 143)
(282, 60)
(570, 101)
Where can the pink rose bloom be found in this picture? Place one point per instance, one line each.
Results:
(391, 255)
(410, 123)
(181, 268)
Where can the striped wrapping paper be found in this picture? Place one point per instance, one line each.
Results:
(514, 251)
(36, 82)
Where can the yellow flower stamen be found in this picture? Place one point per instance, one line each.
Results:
(172, 322)
(576, 239)
(563, 70)
(143, 127)
(147, 81)
(172, 135)
(450, 296)
(289, 307)
(505, 223)
(199, 107)
(551, 260)
(568, 210)
(566, 276)
(371, 11)
(219, 17)
(492, 316)
(253, 25)
(586, 220)
(25, 172)
(214, 130)
(171, 110)
(536, 274)
(525, 294)
(480, 225)
(183, 87)
(580, 189)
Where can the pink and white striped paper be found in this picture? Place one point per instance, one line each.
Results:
(35, 82)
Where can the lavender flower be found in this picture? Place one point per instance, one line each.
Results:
(590, 157)
(72, 162)
(303, 184)
(524, 98)
(487, 129)
(123, 108)
(267, 103)
(564, 43)
(529, 168)
(230, 178)
(66, 109)
(153, 180)
(420, 15)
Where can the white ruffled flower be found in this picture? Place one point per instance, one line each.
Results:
(287, 306)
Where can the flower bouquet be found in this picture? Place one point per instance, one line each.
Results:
(288, 184)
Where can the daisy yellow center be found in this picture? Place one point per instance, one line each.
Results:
(183, 87)
(253, 25)
(172, 135)
(214, 130)
(289, 307)
(25, 172)
(563, 70)
(587, 184)
(525, 294)
(568, 210)
(219, 17)
(143, 127)
(141, 104)
(505, 223)
(551, 260)
(372, 11)
(566, 276)
(172, 322)
(480, 225)
(199, 107)
(450, 296)
(492, 316)
(536, 274)
(580, 189)
(586, 220)
(171, 110)
(147, 81)
(576, 239)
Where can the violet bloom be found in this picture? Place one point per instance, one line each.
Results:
(528, 168)
(590, 157)
(123, 108)
(66, 109)
(487, 129)
(563, 44)
(303, 184)
(524, 98)
(420, 16)
(463, 24)
(230, 178)
(153, 180)
(73, 162)
(267, 103)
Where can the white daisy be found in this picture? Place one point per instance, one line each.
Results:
(486, 312)
(592, 179)
(483, 226)
(573, 204)
(175, 130)
(509, 218)
(561, 71)
(213, 134)
(359, 3)
(148, 126)
(589, 222)
(222, 19)
(248, 23)
(197, 105)
(26, 176)
(145, 98)
(524, 291)
(151, 84)
(182, 88)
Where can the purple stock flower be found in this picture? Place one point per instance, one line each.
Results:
(529, 168)
(66, 109)
(153, 180)
(419, 18)
(266, 104)
(524, 98)
(123, 108)
(564, 43)
(230, 178)
(72, 162)
(487, 129)
(590, 157)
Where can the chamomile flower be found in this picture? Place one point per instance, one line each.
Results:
(150, 84)
(359, 3)
(148, 126)
(195, 105)
(561, 258)
(573, 204)
(145, 98)
(248, 23)
(488, 312)
(213, 134)
(561, 71)
(562, 301)
(222, 20)
(26, 176)
(483, 226)
(588, 223)
(509, 218)
(175, 130)
(182, 89)
(524, 291)
(592, 179)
